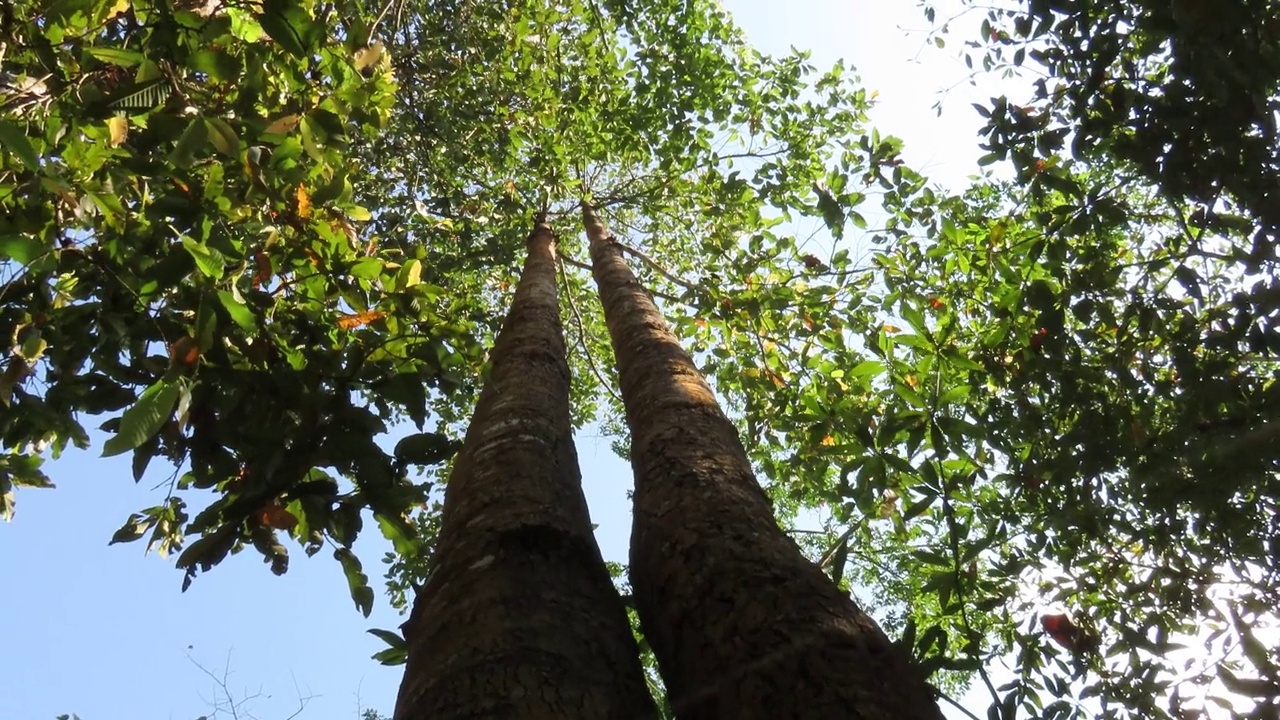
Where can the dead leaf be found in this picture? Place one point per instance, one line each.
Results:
(350, 322)
(118, 129)
(283, 125)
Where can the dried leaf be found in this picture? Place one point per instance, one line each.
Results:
(118, 129)
(283, 125)
(349, 322)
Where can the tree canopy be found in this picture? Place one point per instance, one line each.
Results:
(1037, 417)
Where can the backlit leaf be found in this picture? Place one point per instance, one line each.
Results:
(140, 422)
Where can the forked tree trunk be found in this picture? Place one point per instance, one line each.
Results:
(519, 619)
(743, 626)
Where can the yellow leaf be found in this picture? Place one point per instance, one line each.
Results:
(892, 328)
(365, 58)
(283, 125)
(115, 10)
(304, 202)
(118, 127)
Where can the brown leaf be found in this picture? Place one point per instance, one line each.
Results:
(184, 351)
(349, 322)
(264, 272)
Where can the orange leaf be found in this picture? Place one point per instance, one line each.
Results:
(277, 517)
(775, 377)
(184, 351)
(349, 322)
(304, 202)
(1064, 631)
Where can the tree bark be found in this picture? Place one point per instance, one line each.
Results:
(520, 619)
(742, 624)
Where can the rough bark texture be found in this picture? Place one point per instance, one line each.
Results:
(743, 625)
(520, 619)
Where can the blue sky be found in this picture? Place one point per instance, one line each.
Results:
(106, 633)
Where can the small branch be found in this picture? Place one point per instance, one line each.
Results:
(582, 331)
(825, 561)
(575, 263)
(957, 705)
(656, 267)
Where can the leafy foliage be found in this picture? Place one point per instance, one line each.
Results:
(1036, 419)
(204, 243)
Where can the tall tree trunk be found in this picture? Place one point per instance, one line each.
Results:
(519, 619)
(742, 624)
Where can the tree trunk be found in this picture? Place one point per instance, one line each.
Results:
(519, 618)
(743, 626)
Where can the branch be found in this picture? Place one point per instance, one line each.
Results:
(653, 265)
(956, 705)
(582, 330)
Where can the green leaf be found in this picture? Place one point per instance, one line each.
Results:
(288, 24)
(410, 274)
(192, 141)
(393, 639)
(210, 261)
(206, 322)
(239, 312)
(310, 142)
(134, 528)
(148, 71)
(399, 532)
(367, 269)
(391, 656)
(142, 421)
(865, 369)
(22, 249)
(224, 137)
(217, 64)
(14, 140)
(116, 56)
(330, 191)
(357, 581)
(426, 448)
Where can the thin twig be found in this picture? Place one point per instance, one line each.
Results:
(582, 332)
(957, 705)
(656, 267)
